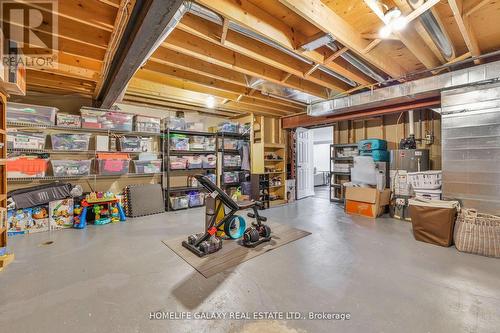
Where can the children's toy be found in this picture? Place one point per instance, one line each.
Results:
(19, 221)
(61, 214)
(40, 219)
(208, 242)
(102, 205)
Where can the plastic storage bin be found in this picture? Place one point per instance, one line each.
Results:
(175, 123)
(179, 142)
(231, 177)
(425, 180)
(179, 202)
(230, 144)
(194, 162)
(112, 164)
(232, 160)
(153, 166)
(135, 144)
(378, 155)
(20, 167)
(26, 140)
(62, 168)
(210, 144)
(69, 120)
(229, 127)
(105, 119)
(195, 126)
(147, 124)
(197, 142)
(196, 199)
(65, 141)
(31, 114)
(177, 163)
(372, 144)
(209, 161)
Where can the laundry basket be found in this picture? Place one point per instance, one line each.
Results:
(478, 233)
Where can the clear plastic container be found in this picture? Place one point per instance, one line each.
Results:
(21, 167)
(212, 177)
(62, 168)
(26, 140)
(147, 124)
(105, 119)
(65, 141)
(179, 142)
(196, 199)
(231, 177)
(210, 144)
(175, 123)
(195, 126)
(194, 162)
(179, 202)
(112, 167)
(135, 144)
(31, 114)
(177, 163)
(153, 166)
(229, 127)
(232, 160)
(209, 161)
(69, 120)
(197, 142)
(230, 144)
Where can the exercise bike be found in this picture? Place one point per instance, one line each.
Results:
(221, 218)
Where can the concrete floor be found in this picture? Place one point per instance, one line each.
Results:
(109, 278)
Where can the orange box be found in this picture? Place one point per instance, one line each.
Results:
(368, 202)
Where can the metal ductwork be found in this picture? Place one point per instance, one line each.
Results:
(408, 91)
(434, 29)
(281, 92)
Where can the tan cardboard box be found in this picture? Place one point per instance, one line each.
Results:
(367, 202)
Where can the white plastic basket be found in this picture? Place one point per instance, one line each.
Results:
(425, 180)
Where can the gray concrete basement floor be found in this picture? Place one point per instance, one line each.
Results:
(109, 279)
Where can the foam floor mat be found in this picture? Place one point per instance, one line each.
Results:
(232, 252)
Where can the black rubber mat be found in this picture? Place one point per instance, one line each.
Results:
(232, 252)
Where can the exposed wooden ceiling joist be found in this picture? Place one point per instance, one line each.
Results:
(465, 27)
(257, 51)
(199, 48)
(328, 21)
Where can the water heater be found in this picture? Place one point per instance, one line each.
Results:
(411, 160)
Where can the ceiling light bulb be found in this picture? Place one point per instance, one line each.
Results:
(392, 14)
(385, 31)
(399, 23)
(210, 102)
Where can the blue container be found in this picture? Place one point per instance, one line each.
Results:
(372, 144)
(3, 251)
(378, 155)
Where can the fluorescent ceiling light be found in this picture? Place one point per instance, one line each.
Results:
(318, 42)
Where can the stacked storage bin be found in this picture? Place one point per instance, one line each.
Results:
(375, 148)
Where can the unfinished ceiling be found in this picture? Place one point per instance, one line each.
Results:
(259, 55)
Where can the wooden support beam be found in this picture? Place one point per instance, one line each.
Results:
(335, 55)
(287, 76)
(377, 36)
(372, 45)
(249, 15)
(256, 50)
(311, 70)
(225, 26)
(421, 9)
(463, 23)
(183, 42)
(408, 37)
(477, 7)
(147, 24)
(320, 15)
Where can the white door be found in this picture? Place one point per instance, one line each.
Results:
(305, 160)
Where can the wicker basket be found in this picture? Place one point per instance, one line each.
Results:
(478, 233)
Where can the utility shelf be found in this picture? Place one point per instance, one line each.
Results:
(190, 133)
(230, 151)
(88, 152)
(28, 126)
(190, 152)
(186, 188)
(53, 178)
(198, 170)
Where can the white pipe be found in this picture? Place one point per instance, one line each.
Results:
(411, 121)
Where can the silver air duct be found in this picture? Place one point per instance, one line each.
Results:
(431, 25)
(408, 91)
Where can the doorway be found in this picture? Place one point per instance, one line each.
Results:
(322, 139)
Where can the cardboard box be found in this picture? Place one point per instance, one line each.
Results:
(368, 202)
(61, 214)
(40, 219)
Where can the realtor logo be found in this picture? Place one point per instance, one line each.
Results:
(29, 30)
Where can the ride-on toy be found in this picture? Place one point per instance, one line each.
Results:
(208, 242)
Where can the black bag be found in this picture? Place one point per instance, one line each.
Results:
(40, 195)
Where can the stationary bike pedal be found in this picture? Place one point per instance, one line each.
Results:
(251, 215)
